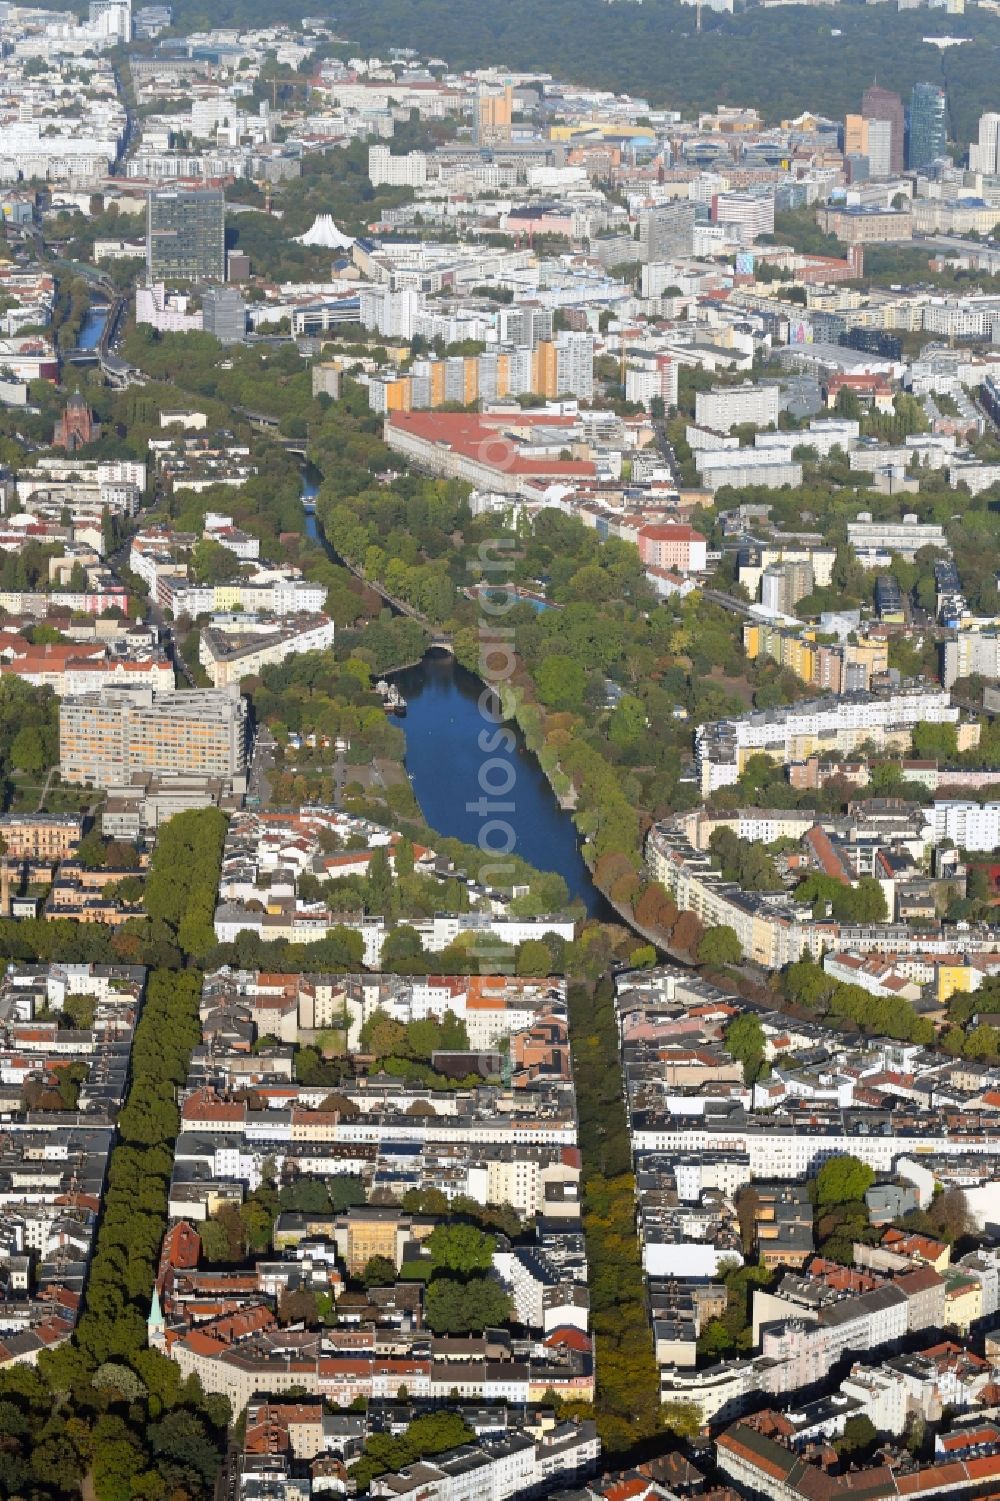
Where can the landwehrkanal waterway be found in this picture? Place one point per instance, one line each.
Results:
(92, 327)
(443, 760)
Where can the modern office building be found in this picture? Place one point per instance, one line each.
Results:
(984, 154)
(745, 215)
(855, 136)
(225, 314)
(856, 167)
(880, 145)
(112, 20)
(882, 104)
(889, 606)
(107, 738)
(186, 235)
(666, 232)
(493, 114)
(928, 135)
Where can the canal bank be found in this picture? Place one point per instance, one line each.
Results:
(449, 742)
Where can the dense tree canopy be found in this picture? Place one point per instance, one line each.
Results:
(745, 1041)
(654, 51)
(842, 1180)
(105, 1409)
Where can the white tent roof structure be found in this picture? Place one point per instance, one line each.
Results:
(325, 234)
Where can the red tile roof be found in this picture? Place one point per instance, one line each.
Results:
(671, 531)
(485, 439)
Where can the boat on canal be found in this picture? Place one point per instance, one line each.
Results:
(392, 700)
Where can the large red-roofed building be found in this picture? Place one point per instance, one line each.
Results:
(500, 451)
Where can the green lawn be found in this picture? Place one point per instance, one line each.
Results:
(27, 789)
(67, 799)
(25, 792)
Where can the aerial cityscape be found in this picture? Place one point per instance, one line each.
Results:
(500, 750)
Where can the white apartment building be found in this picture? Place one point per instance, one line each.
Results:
(575, 365)
(523, 324)
(120, 472)
(154, 561)
(451, 327)
(306, 925)
(779, 1151)
(83, 484)
(519, 1180)
(28, 153)
(389, 313)
(221, 528)
(859, 713)
(972, 826)
(409, 171)
(726, 407)
(518, 1467)
(963, 318)
(905, 537)
(824, 436)
(228, 656)
(750, 214)
(526, 1275)
(723, 748)
(970, 652)
(442, 929)
(656, 377)
(167, 314)
(740, 467)
(280, 595)
(706, 439)
(820, 559)
(975, 477)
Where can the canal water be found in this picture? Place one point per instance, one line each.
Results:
(444, 760)
(92, 327)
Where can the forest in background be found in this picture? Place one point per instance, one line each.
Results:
(653, 51)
